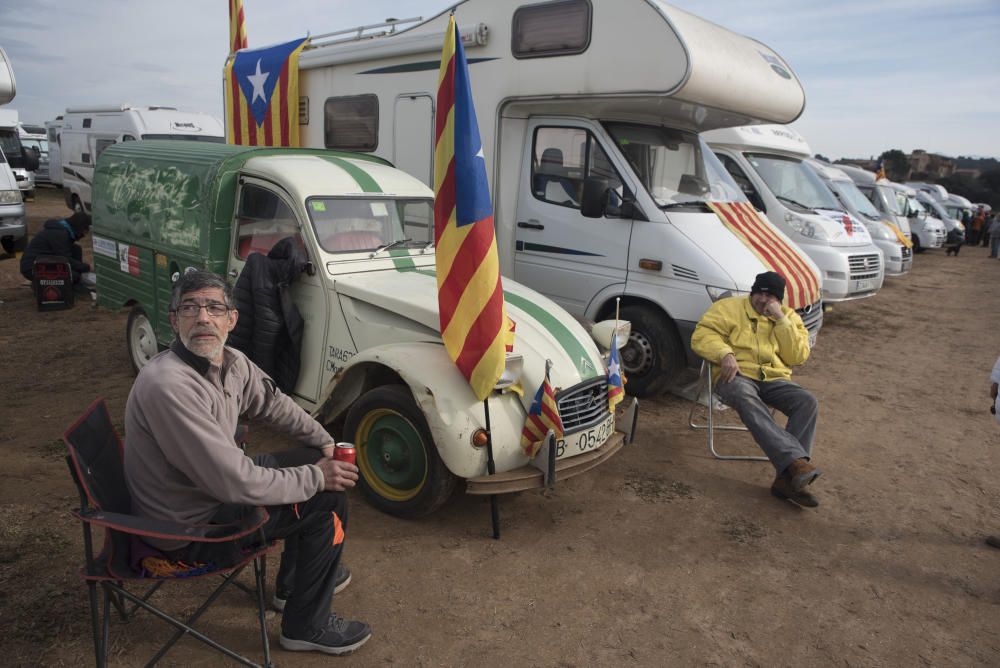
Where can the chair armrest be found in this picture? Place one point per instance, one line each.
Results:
(165, 529)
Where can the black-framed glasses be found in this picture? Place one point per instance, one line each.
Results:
(191, 309)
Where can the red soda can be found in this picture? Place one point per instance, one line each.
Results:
(344, 452)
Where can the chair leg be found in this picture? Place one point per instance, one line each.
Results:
(96, 627)
(710, 427)
(260, 574)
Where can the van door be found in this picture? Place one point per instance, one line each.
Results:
(558, 251)
(413, 135)
(264, 216)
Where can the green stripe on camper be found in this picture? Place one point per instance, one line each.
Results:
(360, 176)
(402, 261)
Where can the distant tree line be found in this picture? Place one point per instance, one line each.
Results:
(984, 188)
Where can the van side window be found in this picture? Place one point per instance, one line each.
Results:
(262, 219)
(742, 181)
(562, 158)
(86, 122)
(551, 29)
(85, 158)
(351, 123)
(100, 145)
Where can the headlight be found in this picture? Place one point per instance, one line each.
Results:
(806, 227)
(716, 293)
(880, 231)
(602, 331)
(959, 226)
(10, 196)
(513, 365)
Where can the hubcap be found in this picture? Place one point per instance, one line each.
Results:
(391, 455)
(637, 355)
(143, 341)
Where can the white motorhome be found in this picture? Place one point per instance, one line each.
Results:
(53, 130)
(936, 207)
(925, 230)
(13, 223)
(959, 208)
(87, 131)
(883, 197)
(33, 136)
(897, 255)
(579, 102)
(22, 163)
(767, 162)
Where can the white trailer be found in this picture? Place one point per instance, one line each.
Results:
(578, 101)
(53, 130)
(767, 161)
(88, 131)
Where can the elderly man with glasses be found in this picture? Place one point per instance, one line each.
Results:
(182, 464)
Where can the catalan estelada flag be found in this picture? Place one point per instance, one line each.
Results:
(474, 323)
(880, 170)
(237, 27)
(542, 416)
(262, 95)
(803, 285)
(616, 379)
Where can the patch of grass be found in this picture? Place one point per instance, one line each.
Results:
(744, 531)
(654, 488)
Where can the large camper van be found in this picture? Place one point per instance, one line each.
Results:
(881, 195)
(88, 131)
(33, 136)
(579, 102)
(22, 162)
(13, 223)
(767, 162)
(925, 230)
(896, 249)
(53, 130)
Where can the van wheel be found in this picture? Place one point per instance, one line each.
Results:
(653, 354)
(141, 339)
(401, 472)
(77, 205)
(917, 248)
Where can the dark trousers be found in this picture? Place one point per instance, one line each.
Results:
(313, 532)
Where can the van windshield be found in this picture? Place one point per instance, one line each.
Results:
(209, 138)
(792, 182)
(850, 194)
(676, 167)
(352, 225)
(889, 197)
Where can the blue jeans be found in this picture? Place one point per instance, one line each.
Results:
(751, 398)
(994, 244)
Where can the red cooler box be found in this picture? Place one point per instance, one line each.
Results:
(53, 283)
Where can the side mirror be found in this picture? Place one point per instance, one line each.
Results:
(912, 213)
(31, 156)
(595, 197)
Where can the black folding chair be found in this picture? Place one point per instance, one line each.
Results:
(95, 462)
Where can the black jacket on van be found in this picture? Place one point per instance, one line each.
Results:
(55, 238)
(269, 327)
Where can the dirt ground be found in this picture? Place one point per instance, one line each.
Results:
(662, 557)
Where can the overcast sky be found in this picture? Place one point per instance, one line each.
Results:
(878, 74)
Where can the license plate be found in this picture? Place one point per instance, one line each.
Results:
(812, 339)
(864, 284)
(586, 440)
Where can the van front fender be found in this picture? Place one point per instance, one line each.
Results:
(445, 398)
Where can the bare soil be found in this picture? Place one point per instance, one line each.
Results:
(664, 556)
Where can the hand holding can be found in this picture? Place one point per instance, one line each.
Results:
(344, 452)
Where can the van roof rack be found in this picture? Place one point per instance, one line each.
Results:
(360, 32)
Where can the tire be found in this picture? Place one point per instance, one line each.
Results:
(917, 248)
(76, 204)
(401, 472)
(140, 338)
(653, 355)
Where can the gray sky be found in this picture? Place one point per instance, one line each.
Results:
(878, 74)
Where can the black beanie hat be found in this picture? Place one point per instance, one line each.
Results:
(771, 283)
(80, 222)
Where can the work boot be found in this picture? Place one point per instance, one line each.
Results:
(800, 473)
(783, 489)
(342, 578)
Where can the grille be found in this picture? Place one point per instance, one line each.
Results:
(814, 318)
(864, 266)
(583, 405)
(684, 272)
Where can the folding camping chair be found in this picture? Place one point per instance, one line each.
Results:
(96, 465)
(710, 425)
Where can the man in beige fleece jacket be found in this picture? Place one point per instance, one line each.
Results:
(183, 464)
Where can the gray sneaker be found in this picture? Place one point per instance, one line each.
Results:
(339, 636)
(342, 579)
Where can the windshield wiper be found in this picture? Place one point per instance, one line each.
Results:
(791, 201)
(392, 244)
(675, 205)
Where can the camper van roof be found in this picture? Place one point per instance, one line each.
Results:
(773, 137)
(959, 201)
(828, 172)
(858, 175)
(636, 50)
(907, 190)
(936, 191)
(110, 108)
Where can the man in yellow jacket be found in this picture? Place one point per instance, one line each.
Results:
(753, 342)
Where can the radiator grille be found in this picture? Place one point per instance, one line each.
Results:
(583, 405)
(864, 266)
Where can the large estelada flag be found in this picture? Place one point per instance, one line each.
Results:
(262, 95)
(237, 26)
(802, 284)
(470, 296)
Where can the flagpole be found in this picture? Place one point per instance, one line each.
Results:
(491, 468)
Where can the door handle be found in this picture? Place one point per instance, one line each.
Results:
(531, 226)
(233, 273)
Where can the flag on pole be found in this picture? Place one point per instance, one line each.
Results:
(880, 170)
(474, 325)
(237, 26)
(616, 380)
(542, 416)
(262, 95)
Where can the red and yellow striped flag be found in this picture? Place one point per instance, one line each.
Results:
(757, 234)
(470, 296)
(262, 95)
(237, 26)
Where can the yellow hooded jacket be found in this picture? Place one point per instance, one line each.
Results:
(765, 350)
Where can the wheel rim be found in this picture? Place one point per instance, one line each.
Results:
(143, 341)
(637, 355)
(391, 455)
